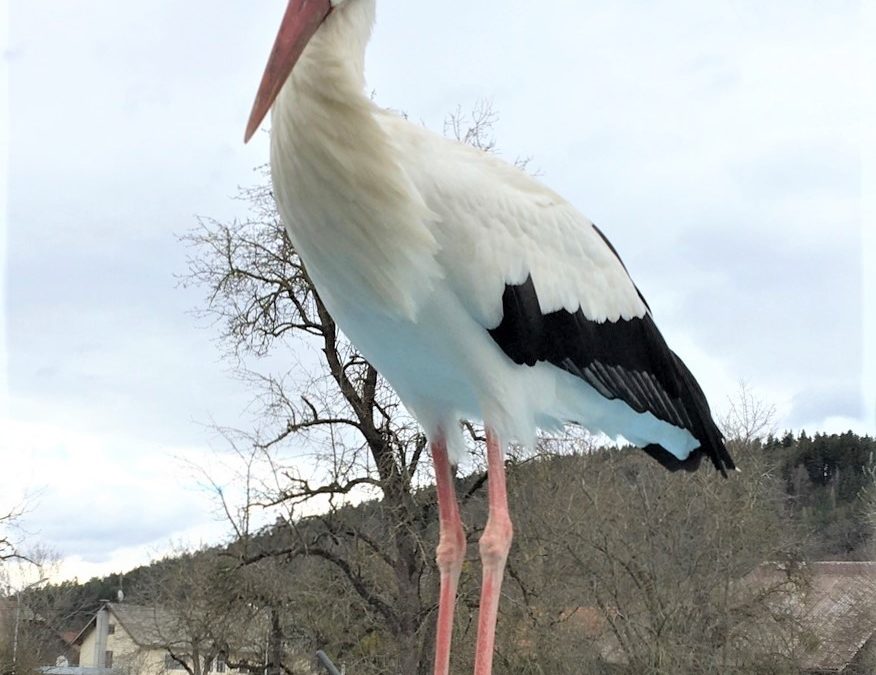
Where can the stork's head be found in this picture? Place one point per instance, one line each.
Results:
(302, 19)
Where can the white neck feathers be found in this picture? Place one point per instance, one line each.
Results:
(356, 219)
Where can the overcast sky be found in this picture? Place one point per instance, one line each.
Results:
(717, 144)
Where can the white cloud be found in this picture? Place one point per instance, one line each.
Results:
(95, 497)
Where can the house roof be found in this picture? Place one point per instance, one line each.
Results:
(154, 627)
(147, 626)
(837, 607)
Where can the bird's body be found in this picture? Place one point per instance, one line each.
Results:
(475, 290)
(412, 239)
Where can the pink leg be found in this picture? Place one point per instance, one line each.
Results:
(495, 544)
(449, 555)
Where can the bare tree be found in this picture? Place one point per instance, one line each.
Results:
(749, 418)
(363, 444)
(651, 567)
(27, 638)
(200, 612)
(475, 127)
(8, 522)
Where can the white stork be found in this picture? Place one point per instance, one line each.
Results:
(476, 291)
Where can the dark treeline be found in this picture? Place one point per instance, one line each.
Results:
(826, 477)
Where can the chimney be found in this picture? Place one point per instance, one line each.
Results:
(102, 631)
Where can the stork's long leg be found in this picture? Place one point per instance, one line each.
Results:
(495, 544)
(449, 555)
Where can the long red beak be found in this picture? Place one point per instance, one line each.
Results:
(300, 22)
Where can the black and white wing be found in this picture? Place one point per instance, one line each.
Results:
(549, 287)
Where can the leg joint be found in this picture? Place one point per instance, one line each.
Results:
(496, 540)
(451, 549)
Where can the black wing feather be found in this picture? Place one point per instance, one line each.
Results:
(625, 359)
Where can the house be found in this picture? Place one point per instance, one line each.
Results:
(131, 638)
(836, 611)
(829, 606)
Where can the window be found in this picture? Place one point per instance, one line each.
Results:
(108, 659)
(219, 665)
(110, 629)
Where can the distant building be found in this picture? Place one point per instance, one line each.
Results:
(836, 610)
(130, 639)
(127, 639)
(832, 606)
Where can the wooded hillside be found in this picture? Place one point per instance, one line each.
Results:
(600, 534)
